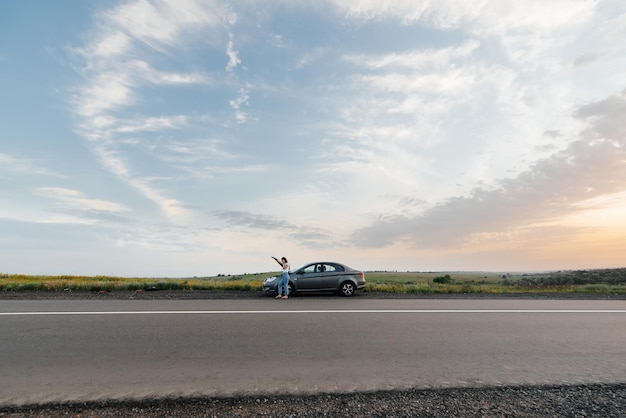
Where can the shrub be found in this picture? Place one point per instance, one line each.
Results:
(443, 279)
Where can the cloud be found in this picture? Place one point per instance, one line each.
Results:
(311, 57)
(466, 114)
(417, 60)
(202, 159)
(72, 207)
(74, 199)
(315, 238)
(111, 160)
(145, 72)
(607, 115)
(237, 103)
(304, 236)
(189, 152)
(161, 24)
(405, 10)
(152, 124)
(104, 92)
(250, 220)
(400, 117)
(588, 58)
(216, 169)
(78, 243)
(110, 45)
(525, 30)
(447, 14)
(233, 58)
(119, 70)
(554, 188)
(115, 85)
(10, 165)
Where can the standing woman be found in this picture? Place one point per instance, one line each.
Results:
(284, 278)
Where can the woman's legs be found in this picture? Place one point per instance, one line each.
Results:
(286, 283)
(283, 285)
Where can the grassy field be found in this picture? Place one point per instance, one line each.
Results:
(20, 282)
(578, 281)
(587, 281)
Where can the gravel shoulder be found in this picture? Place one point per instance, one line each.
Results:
(524, 401)
(604, 401)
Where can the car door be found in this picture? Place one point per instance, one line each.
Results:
(309, 277)
(331, 276)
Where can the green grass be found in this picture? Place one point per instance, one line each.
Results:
(593, 281)
(582, 281)
(20, 282)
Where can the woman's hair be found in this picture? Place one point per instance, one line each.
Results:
(285, 259)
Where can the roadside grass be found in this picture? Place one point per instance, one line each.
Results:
(587, 281)
(20, 282)
(606, 281)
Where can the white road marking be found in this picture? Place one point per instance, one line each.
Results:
(322, 311)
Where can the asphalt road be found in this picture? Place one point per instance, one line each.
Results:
(91, 350)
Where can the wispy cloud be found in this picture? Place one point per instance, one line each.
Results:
(413, 114)
(237, 104)
(439, 59)
(75, 199)
(251, 220)
(311, 57)
(117, 70)
(526, 30)
(104, 92)
(233, 57)
(306, 236)
(403, 107)
(152, 124)
(171, 207)
(161, 24)
(587, 58)
(145, 72)
(550, 191)
(199, 150)
(11, 165)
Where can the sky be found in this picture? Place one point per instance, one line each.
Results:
(180, 138)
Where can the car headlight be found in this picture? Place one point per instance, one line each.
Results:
(270, 279)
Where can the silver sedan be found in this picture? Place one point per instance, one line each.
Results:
(320, 276)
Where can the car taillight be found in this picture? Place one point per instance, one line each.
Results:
(362, 274)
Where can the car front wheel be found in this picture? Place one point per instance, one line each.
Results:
(347, 288)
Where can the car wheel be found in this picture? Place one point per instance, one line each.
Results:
(347, 288)
(290, 287)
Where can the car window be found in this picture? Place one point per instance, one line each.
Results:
(310, 269)
(333, 267)
(328, 268)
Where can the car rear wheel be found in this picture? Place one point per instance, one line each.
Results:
(347, 288)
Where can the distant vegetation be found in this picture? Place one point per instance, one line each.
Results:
(572, 281)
